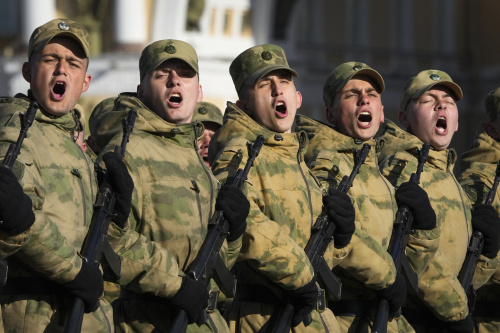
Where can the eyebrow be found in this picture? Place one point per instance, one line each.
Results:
(55, 55)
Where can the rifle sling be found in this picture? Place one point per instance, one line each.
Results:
(357, 308)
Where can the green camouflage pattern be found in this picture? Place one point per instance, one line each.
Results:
(173, 199)
(478, 166)
(255, 62)
(424, 81)
(42, 35)
(59, 178)
(162, 50)
(368, 267)
(339, 77)
(492, 104)
(285, 201)
(439, 288)
(207, 112)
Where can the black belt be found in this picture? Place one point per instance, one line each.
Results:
(23, 286)
(484, 309)
(257, 294)
(357, 308)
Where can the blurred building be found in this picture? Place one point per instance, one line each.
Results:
(397, 37)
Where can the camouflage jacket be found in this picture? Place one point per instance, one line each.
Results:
(439, 287)
(59, 178)
(173, 199)
(285, 200)
(330, 156)
(478, 166)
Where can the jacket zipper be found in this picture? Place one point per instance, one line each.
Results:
(196, 188)
(77, 173)
(307, 186)
(459, 193)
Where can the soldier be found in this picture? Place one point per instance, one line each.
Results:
(79, 134)
(352, 97)
(478, 167)
(285, 199)
(211, 117)
(46, 203)
(174, 198)
(429, 113)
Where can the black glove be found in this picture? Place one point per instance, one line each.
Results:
(87, 285)
(16, 208)
(122, 184)
(395, 294)
(462, 326)
(235, 206)
(303, 300)
(192, 297)
(340, 210)
(485, 219)
(413, 196)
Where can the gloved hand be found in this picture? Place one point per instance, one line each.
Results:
(485, 219)
(236, 207)
(16, 208)
(395, 294)
(303, 300)
(340, 210)
(192, 297)
(122, 184)
(465, 325)
(87, 285)
(413, 196)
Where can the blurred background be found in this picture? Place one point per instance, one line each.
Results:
(398, 38)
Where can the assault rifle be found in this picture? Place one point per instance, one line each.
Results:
(96, 245)
(14, 150)
(400, 233)
(208, 262)
(466, 274)
(321, 236)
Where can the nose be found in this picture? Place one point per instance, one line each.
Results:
(173, 79)
(363, 99)
(441, 104)
(60, 68)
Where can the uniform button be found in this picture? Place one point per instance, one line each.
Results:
(278, 137)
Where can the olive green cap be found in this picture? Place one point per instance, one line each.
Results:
(424, 81)
(156, 53)
(42, 35)
(255, 62)
(339, 77)
(207, 112)
(492, 104)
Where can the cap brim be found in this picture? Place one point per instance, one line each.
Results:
(70, 35)
(451, 85)
(252, 79)
(371, 73)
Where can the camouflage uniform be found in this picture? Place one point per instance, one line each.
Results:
(173, 199)
(368, 267)
(285, 200)
(439, 289)
(59, 178)
(478, 167)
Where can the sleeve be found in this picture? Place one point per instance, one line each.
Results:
(368, 261)
(438, 284)
(146, 265)
(44, 248)
(265, 245)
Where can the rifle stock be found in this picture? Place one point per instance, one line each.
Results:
(321, 236)
(399, 238)
(14, 150)
(96, 244)
(474, 249)
(208, 263)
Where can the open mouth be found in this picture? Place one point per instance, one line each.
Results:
(175, 98)
(365, 118)
(281, 109)
(59, 90)
(441, 125)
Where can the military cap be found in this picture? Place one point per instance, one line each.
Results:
(255, 62)
(42, 35)
(339, 77)
(207, 112)
(81, 117)
(424, 81)
(156, 53)
(492, 104)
